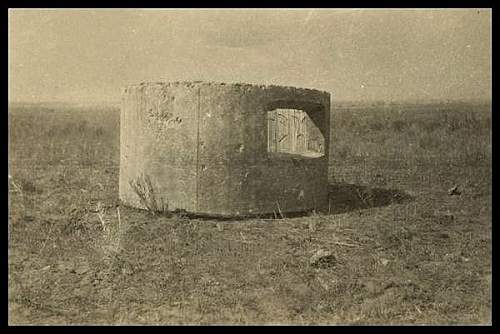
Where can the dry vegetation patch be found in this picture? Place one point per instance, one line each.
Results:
(402, 250)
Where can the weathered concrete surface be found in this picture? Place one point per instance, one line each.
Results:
(204, 148)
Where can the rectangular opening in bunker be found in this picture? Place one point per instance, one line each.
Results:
(292, 131)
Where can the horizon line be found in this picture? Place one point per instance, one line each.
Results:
(433, 100)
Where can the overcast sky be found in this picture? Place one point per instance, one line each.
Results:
(392, 55)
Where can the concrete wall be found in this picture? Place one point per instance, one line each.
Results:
(204, 148)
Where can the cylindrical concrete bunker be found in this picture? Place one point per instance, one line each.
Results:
(225, 149)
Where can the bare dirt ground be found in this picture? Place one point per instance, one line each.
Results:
(405, 251)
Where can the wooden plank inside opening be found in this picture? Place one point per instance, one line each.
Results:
(292, 131)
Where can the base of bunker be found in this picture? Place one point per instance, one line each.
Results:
(207, 216)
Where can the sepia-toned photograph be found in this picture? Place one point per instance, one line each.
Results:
(252, 166)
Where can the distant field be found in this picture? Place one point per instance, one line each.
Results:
(406, 251)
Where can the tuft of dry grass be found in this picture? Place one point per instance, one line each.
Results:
(143, 188)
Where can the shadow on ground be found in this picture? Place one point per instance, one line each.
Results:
(343, 198)
(346, 197)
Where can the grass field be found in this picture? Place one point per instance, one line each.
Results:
(405, 251)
